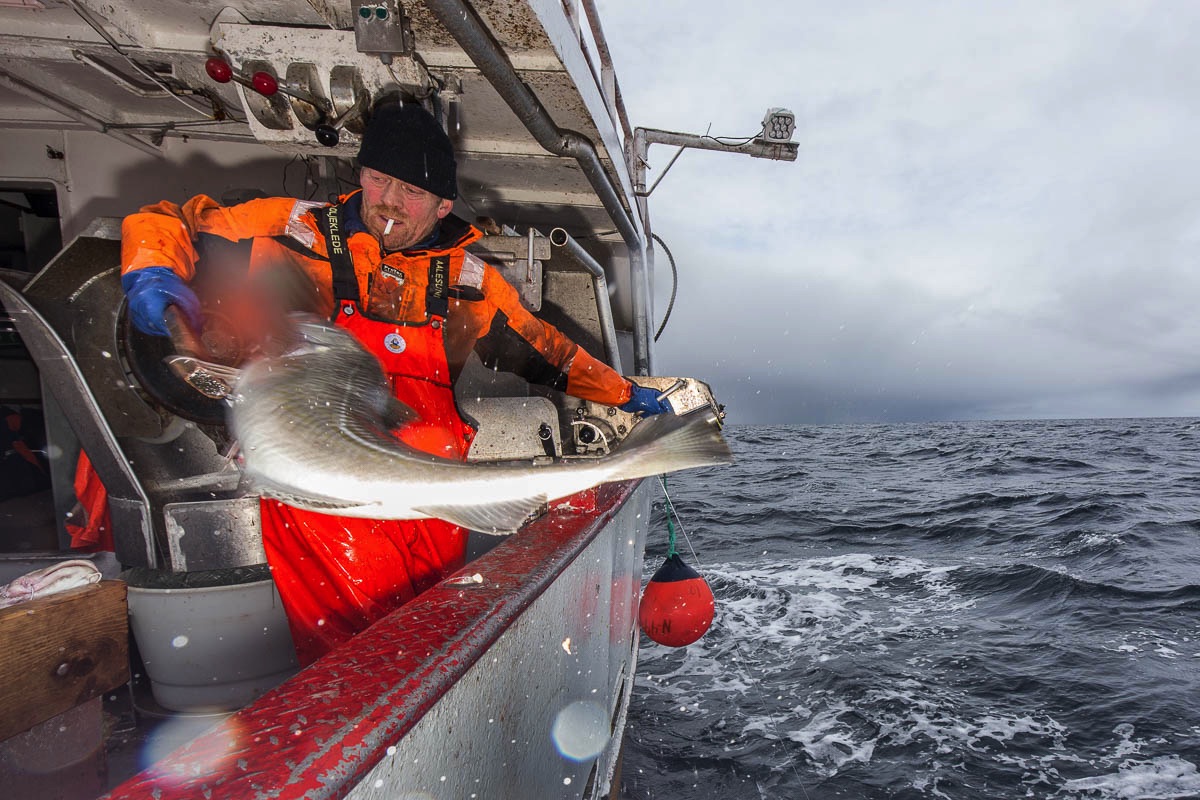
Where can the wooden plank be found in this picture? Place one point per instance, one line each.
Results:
(59, 651)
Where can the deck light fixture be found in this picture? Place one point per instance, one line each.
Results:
(778, 125)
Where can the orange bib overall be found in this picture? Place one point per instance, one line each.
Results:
(336, 575)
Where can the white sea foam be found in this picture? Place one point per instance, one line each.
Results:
(1164, 778)
(820, 610)
(942, 659)
(829, 742)
(1139, 642)
(818, 606)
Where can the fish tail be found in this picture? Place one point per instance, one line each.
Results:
(666, 443)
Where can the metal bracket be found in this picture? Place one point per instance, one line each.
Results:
(519, 259)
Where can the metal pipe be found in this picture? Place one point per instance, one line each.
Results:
(478, 44)
(644, 137)
(606, 65)
(78, 114)
(118, 78)
(608, 331)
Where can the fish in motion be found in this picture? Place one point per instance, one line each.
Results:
(314, 431)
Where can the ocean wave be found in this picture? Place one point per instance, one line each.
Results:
(951, 610)
(1163, 778)
(1046, 590)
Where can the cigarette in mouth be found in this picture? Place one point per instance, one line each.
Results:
(388, 229)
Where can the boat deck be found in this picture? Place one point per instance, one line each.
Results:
(413, 684)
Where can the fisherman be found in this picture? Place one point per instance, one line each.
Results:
(388, 263)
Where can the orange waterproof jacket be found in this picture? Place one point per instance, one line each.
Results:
(485, 313)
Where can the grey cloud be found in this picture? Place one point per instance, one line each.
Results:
(996, 208)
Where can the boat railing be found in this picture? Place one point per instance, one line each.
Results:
(591, 38)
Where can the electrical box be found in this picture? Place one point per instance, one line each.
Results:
(381, 27)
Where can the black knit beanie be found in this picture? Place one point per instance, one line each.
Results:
(406, 142)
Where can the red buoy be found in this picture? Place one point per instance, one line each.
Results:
(677, 606)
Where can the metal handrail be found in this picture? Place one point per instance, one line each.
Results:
(608, 75)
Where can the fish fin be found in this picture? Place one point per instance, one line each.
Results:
(396, 414)
(666, 442)
(499, 519)
(310, 502)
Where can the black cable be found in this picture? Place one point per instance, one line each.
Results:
(674, 284)
(167, 126)
(350, 183)
(311, 174)
(311, 184)
(735, 142)
(286, 167)
(220, 111)
(86, 15)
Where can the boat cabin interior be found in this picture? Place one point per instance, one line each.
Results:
(106, 107)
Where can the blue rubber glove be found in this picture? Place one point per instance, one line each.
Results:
(149, 292)
(645, 401)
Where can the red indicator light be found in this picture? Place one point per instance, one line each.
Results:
(218, 69)
(264, 83)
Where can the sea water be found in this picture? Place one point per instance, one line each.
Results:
(952, 610)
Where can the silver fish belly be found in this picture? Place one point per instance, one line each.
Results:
(314, 428)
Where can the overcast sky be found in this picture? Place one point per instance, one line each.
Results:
(995, 212)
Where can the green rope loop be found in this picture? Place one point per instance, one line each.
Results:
(671, 551)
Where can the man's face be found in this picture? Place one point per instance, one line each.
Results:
(413, 210)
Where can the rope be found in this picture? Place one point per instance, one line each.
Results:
(672, 520)
(671, 551)
(739, 655)
(674, 287)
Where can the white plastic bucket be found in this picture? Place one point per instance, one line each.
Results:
(214, 648)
